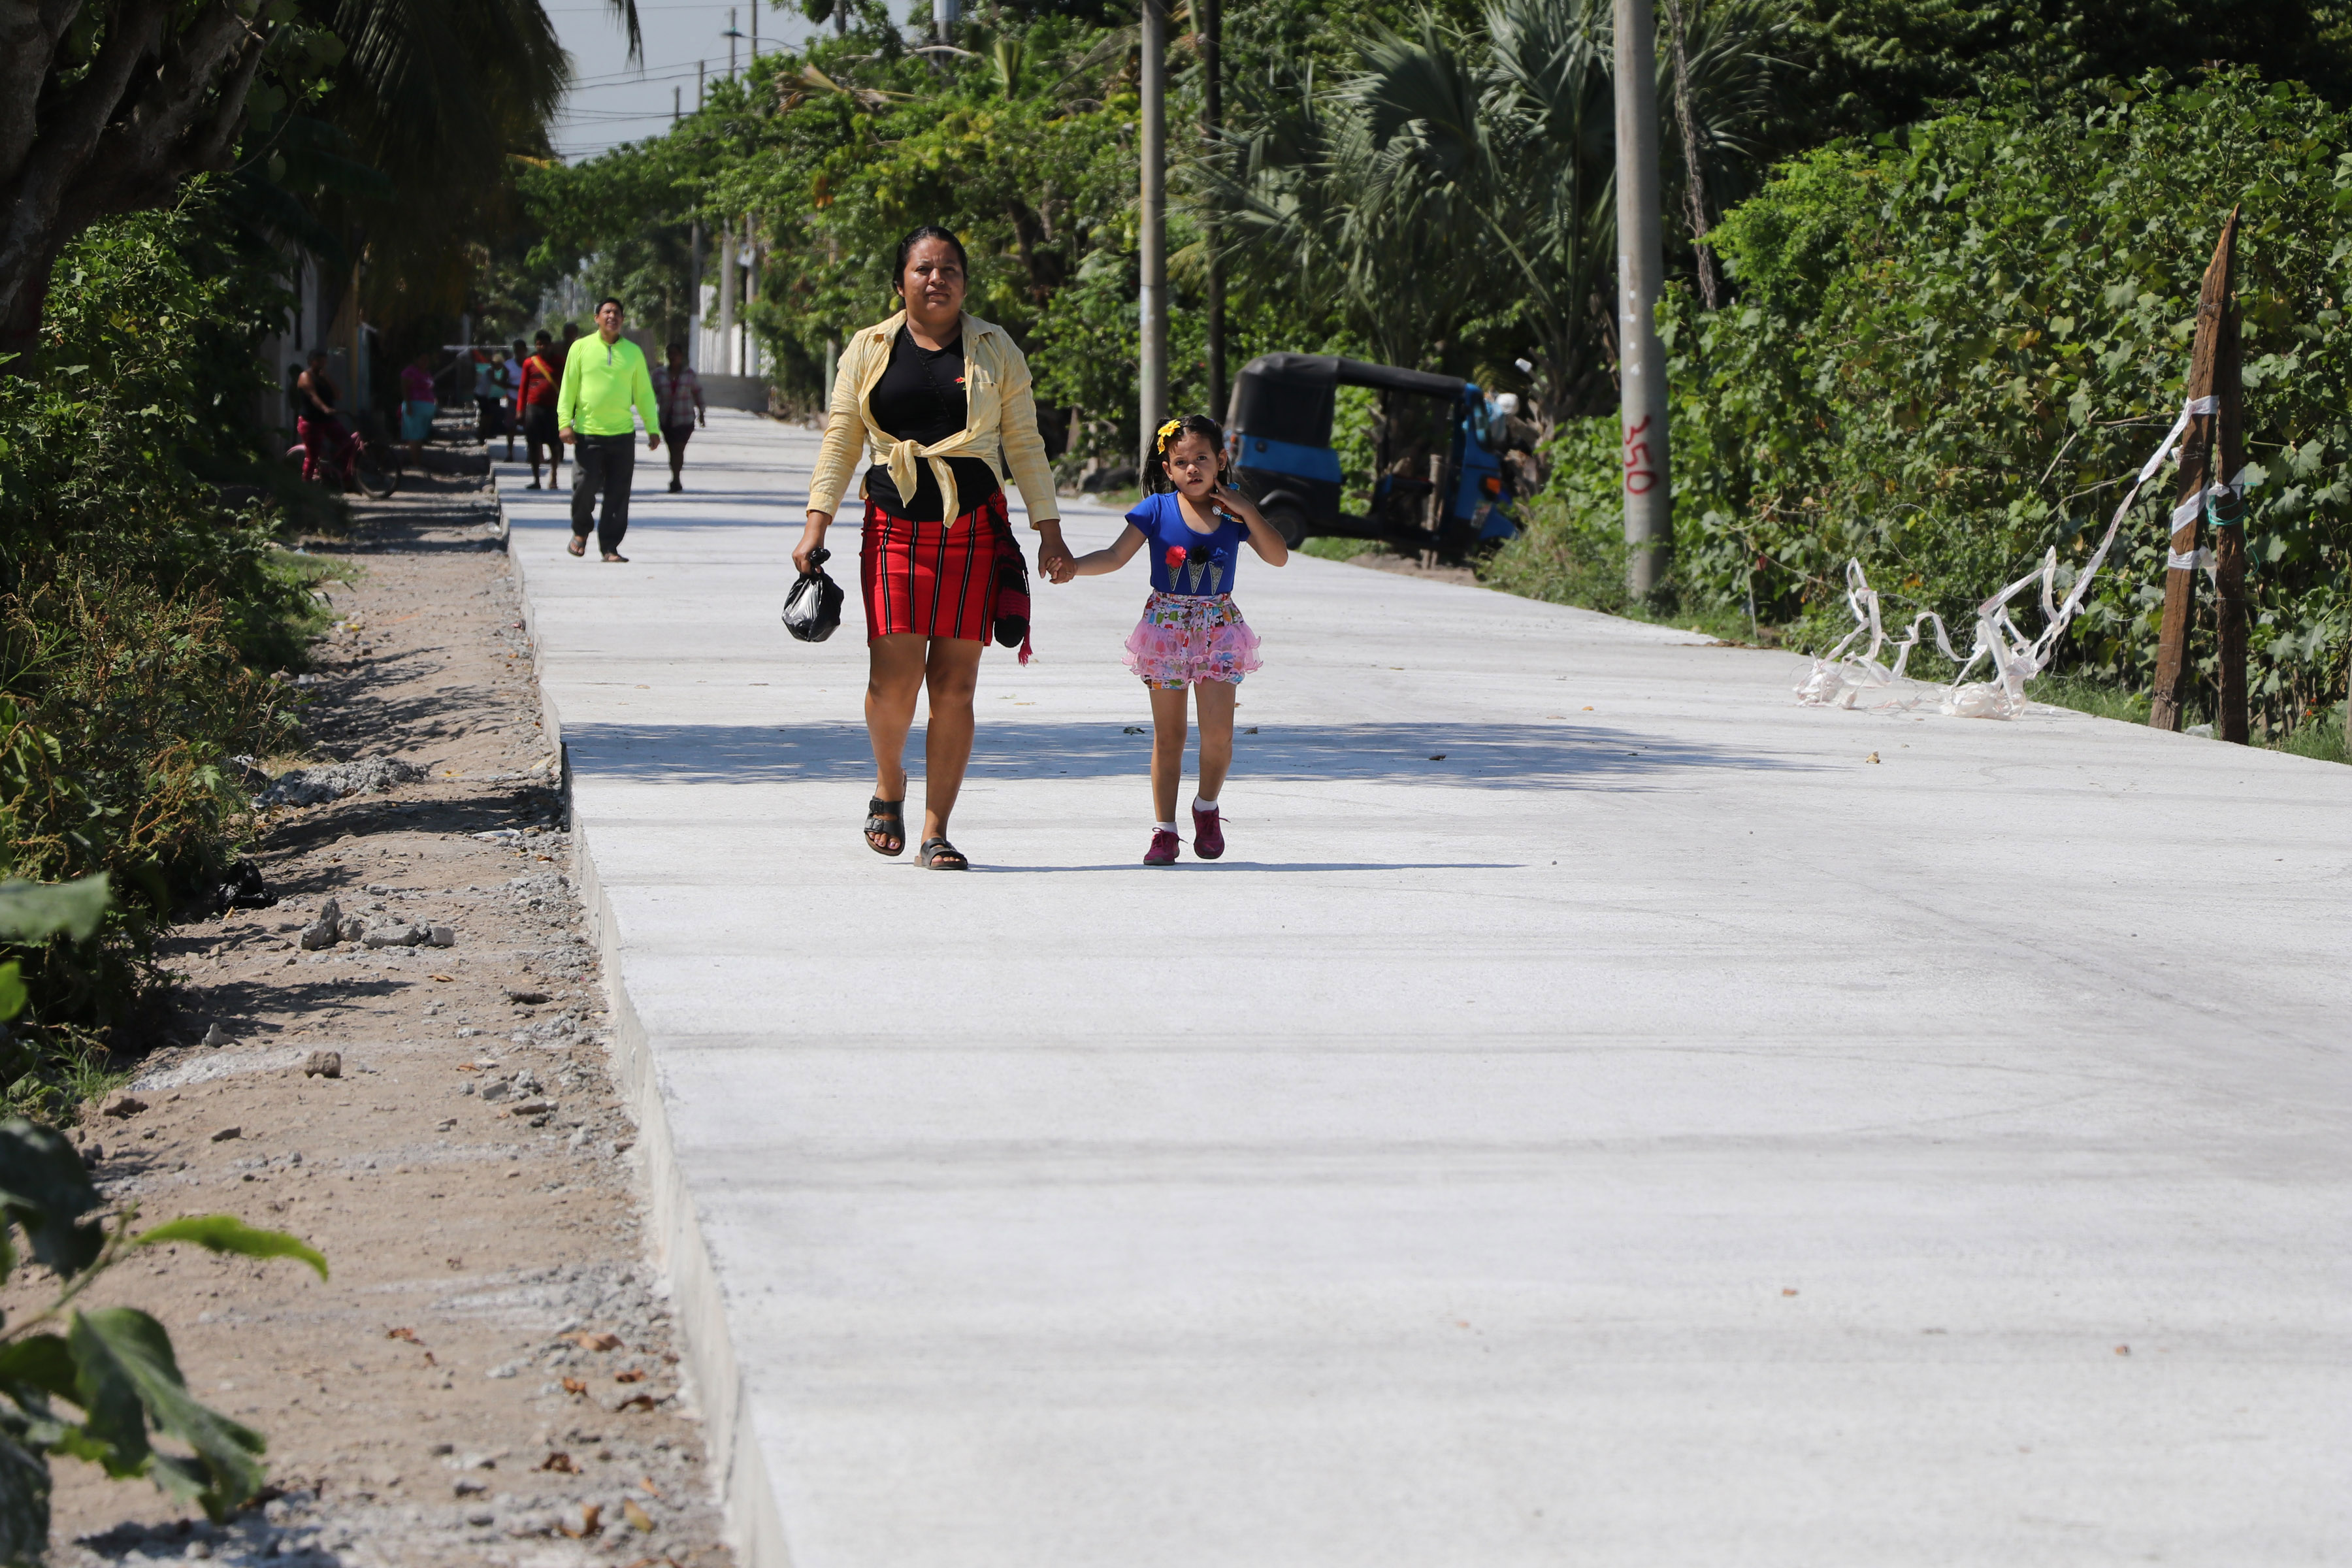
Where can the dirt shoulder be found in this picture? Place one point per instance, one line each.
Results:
(489, 1374)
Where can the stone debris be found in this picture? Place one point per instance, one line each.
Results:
(216, 1036)
(316, 787)
(124, 1105)
(226, 1133)
(397, 933)
(326, 929)
(323, 1064)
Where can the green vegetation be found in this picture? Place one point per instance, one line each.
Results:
(114, 1364)
(1948, 352)
(138, 608)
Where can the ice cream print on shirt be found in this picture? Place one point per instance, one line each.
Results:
(1184, 560)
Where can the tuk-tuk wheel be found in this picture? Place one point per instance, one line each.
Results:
(1288, 522)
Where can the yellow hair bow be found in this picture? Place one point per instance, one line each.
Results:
(1167, 430)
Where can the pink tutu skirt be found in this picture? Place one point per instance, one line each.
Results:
(1186, 639)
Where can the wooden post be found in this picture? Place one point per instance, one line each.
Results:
(2196, 466)
(2229, 533)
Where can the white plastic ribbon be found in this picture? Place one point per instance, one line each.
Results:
(1839, 678)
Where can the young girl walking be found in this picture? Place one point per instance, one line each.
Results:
(1191, 636)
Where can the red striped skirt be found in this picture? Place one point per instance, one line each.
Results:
(935, 579)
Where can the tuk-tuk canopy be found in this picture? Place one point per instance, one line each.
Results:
(1288, 397)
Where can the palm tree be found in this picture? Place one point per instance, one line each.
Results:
(105, 106)
(1483, 176)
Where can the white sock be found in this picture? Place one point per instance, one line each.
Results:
(1199, 805)
(1165, 826)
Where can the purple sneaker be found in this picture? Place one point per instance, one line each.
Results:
(1208, 833)
(1164, 848)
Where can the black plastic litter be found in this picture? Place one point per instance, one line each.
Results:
(812, 609)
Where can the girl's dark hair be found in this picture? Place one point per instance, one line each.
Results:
(1155, 465)
(916, 237)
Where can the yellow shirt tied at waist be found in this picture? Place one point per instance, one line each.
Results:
(1000, 425)
(601, 382)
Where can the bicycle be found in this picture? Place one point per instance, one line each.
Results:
(363, 466)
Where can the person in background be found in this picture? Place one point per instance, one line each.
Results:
(542, 373)
(604, 380)
(417, 407)
(514, 395)
(678, 392)
(563, 349)
(489, 392)
(324, 438)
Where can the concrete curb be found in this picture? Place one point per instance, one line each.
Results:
(714, 1379)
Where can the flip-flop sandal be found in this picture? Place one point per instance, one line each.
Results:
(938, 855)
(619, 557)
(886, 819)
(578, 546)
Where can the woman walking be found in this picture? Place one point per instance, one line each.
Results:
(936, 394)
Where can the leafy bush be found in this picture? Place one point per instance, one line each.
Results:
(136, 607)
(1948, 349)
(114, 1364)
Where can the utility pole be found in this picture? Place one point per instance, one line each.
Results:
(1208, 33)
(755, 32)
(1641, 358)
(2215, 321)
(694, 314)
(945, 15)
(676, 109)
(727, 297)
(1153, 305)
(698, 66)
(747, 364)
(731, 35)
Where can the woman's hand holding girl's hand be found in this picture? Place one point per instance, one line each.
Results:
(811, 540)
(1054, 562)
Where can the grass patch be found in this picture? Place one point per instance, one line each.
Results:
(1562, 557)
(2320, 736)
(2085, 695)
(1333, 547)
(308, 574)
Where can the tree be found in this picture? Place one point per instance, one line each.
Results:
(105, 106)
(1448, 180)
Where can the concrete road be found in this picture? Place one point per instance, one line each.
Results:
(1600, 1114)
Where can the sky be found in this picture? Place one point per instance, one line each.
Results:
(612, 102)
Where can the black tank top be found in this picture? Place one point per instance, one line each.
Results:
(920, 398)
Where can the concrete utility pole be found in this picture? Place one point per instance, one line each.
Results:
(1641, 358)
(698, 67)
(945, 15)
(749, 364)
(1209, 29)
(731, 35)
(1153, 306)
(755, 32)
(727, 299)
(694, 314)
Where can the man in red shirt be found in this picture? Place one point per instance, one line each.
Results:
(542, 373)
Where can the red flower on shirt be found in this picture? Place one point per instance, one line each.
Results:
(1174, 558)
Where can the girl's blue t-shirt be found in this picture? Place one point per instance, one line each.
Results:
(1209, 560)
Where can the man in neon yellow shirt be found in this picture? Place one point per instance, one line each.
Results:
(603, 380)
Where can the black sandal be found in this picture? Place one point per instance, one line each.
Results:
(886, 819)
(938, 855)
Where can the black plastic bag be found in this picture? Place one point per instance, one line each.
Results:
(812, 609)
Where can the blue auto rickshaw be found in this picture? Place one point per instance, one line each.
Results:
(1439, 483)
